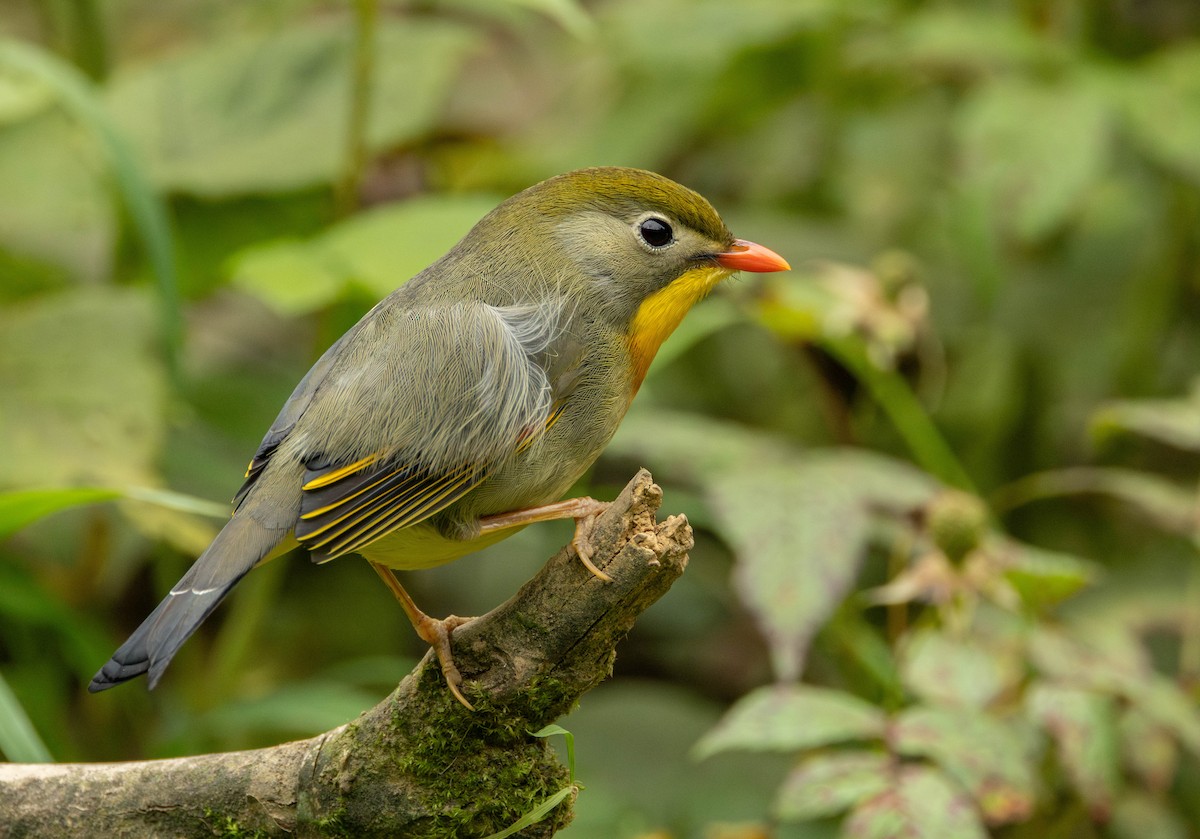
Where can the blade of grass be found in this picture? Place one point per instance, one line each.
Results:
(366, 16)
(145, 206)
(907, 414)
(19, 741)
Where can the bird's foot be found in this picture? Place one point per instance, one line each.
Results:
(581, 542)
(436, 633)
(584, 511)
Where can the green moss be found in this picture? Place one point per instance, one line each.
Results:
(333, 824)
(227, 827)
(481, 771)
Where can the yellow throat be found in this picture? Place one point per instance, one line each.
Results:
(663, 310)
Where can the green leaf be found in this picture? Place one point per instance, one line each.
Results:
(1164, 502)
(989, 757)
(536, 814)
(1162, 104)
(922, 803)
(68, 220)
(788, 718)
(1082, 724)
(251, 113)
(1043, 577)
(550, 731)
(22, 96)
(378, 250)
(800, 531)
(19, 741)
(21, 508)
(826, 784)
(1098, 655)
(1175, 422)
(85, 394)
(1036, 180)
(693, 448)
(957, 671)
(79, 98)
(799, 536)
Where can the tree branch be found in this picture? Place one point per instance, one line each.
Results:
(418, 764)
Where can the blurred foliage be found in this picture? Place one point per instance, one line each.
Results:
(943, 475)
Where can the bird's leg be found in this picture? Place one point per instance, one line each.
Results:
(434, 632)
(583, 510)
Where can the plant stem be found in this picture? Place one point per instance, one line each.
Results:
(906, 412)
(366, 17)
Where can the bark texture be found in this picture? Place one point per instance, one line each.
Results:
(418, 764)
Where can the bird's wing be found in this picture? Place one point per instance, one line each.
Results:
(346, 508)
(420, 421)
(291, 412)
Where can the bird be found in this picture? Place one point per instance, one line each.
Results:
(466, 403)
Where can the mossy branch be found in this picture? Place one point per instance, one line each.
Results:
(418, 764)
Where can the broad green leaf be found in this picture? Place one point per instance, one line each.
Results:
(1165, 502)
(944, 669)
(1082, 724)
(799, 536)
(1043, 577)
(252, 112)
(922, 803)
(1162, 104)
(80, 100)
(1036, 179)
(385, 247)
(67, 220)
(800, 532)
(378, 250)
(19, 741)
(291, 277)
(1175, 422)
(162, 514)
(989, 757)
(85, 391)
(21, 95)
(799, 523)
(23, 507)
(826, 784)
(1100, 656)
(1141, 815)
(788, 718)
(692, 448)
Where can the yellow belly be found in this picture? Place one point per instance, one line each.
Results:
(421, 546)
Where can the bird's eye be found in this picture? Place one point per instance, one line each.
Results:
(655, 232)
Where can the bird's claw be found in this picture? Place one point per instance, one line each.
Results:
(437, 634)
(581, 542)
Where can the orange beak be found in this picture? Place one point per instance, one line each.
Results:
(748, 256)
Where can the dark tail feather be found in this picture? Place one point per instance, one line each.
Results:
(237, 549)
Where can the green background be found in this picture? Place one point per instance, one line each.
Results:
(943, 474)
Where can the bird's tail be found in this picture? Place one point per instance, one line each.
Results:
(240, 545)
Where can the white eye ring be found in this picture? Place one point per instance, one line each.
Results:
(654, 232)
